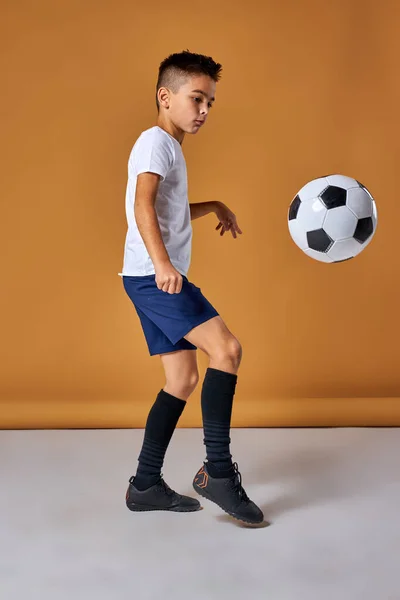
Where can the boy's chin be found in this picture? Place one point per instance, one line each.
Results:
(191, 129)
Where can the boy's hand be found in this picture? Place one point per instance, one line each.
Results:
(168, 279)
(227, 219)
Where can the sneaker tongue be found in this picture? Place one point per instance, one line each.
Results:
(166, 487)
(237, 484)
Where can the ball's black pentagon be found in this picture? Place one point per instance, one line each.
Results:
(364, 229)
(343, 259)
(319, 240)
(294, 208)
(333, 196)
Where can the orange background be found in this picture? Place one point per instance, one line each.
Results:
(307, 88)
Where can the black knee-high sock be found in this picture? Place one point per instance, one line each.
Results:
(216, 404)
(161, 422)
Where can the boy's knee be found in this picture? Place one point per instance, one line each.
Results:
(184, 386)
(236, 351)
(193, 380)
(231, 351)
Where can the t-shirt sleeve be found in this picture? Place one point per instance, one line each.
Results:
(154, 154)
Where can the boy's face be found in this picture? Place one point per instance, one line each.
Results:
(188, 109)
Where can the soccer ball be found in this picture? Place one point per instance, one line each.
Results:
(332, 218)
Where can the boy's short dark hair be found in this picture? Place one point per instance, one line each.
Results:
(175, 68)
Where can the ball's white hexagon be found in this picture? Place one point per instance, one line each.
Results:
(344, 249)
(340, 223)
(366, 189)
(359, 201)
(312, 189)
(321, 256)
(298, 233)
(342, 181)
(311, 214)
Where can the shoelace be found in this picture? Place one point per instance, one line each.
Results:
(166, 488)
(160, 482)
(237, 485)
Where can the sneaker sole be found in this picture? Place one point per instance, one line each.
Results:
(143, 508)
(202, 493)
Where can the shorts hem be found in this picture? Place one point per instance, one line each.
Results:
(204, 319)
(167, 349)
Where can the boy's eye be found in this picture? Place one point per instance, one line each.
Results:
(209, 104)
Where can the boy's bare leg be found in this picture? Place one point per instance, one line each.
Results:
(222, 347)
(181, 372)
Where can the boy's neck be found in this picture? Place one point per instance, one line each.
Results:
(170, 128)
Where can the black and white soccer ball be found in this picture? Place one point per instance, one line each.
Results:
(332, 218)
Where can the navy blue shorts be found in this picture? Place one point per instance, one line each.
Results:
(165, 317)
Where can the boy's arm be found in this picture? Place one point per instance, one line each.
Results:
(146, 218)
(200, 209)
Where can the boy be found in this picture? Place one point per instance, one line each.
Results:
(175, 316)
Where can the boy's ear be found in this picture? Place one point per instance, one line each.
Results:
(163, 97)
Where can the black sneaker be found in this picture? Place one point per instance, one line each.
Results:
(158, 497)
(229, 494)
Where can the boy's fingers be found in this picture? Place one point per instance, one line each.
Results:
(229, 225)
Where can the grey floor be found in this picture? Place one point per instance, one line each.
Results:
(332, 497)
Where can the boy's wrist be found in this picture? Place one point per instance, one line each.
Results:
(160, 264)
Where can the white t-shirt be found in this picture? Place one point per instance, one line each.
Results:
(157, 151)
